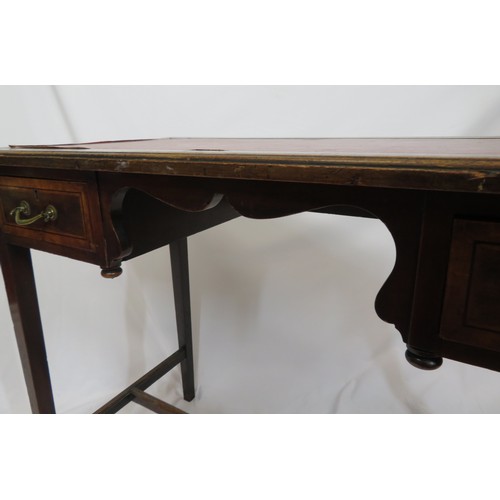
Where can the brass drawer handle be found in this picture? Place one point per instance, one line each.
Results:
(49, 214)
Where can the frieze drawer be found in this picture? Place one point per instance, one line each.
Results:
(46, 211)
(471, 312)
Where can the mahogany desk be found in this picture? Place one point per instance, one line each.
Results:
(105, 203)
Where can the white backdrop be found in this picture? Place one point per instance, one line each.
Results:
(283, 309)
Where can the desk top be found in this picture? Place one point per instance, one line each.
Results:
(451, 164)
(481, 147)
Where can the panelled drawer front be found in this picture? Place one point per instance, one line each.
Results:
(471, 312)
(72, 227)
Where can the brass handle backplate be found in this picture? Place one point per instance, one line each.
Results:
(49, 214)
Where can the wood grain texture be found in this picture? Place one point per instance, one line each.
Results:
(153, 403)
(450, 164)
(436, 266)
(123, 398)
(77, 231)
(138, 196)
(20, 285)
(260, 200)
(180, 281)
(471, 313)
(69, 198)
(140, 212)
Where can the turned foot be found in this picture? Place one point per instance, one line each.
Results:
(423, 360)
(112, 272)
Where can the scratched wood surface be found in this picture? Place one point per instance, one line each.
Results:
(443, 164)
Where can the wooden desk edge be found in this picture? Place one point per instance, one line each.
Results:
(437, 173)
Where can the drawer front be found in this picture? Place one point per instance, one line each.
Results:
(70, 223)
(471, 312)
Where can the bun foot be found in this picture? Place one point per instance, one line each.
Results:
(423, 360)
(112, 272)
